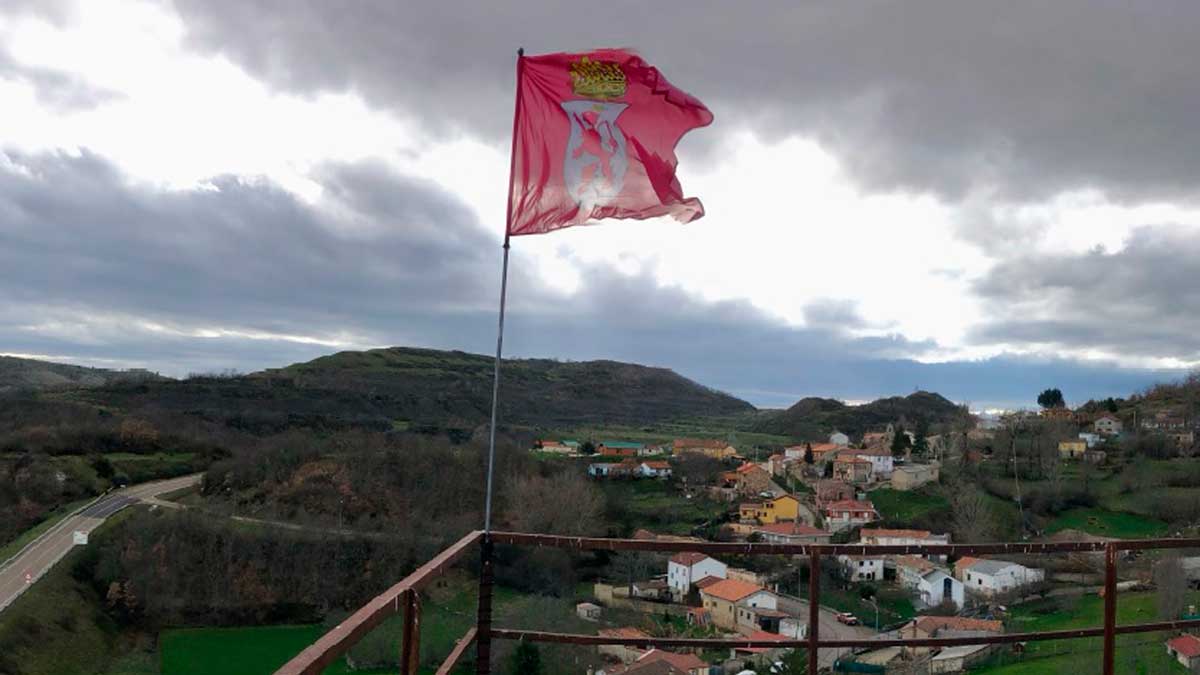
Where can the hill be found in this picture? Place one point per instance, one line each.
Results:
(813, 418)
(35, 375)
(427, 390)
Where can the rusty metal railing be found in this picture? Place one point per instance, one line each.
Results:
(335, 643)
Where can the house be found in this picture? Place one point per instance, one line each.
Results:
(862, 567)
(960, 658)
(876, 439)
(554, 446)
(848, 513)
(790, 533)
(932, 585)
(655, 469)
(712, 447)
(687, 664)
(1091, 439)
(881, 459)
(1072, 449)
(618, 449)
(623, 469)
(753, 479)
(832, 491)
(1186, 650)
(730, 601)
(893, 537)
(1094, 456)
(762, 657)
(1184, 440)
(852, 469)
(781, 509)
(989, 577)
(654, 589)
(687, 567)
(913, 476)
(1107, 425)
(777, 464)
(935, 626)
(748, 576)
(588, 611)
(622, 653)
(839, 439)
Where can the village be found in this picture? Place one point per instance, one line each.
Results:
(810, 493)
(825, 491)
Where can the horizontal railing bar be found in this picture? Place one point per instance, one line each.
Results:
(1006, 638)
(346, 634)
(456, 654)
(737, 548)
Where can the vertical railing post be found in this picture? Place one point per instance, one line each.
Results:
(1110, 607)
(410, 645)
(483, 620)
(814, 607)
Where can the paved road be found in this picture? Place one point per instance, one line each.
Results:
(829, 626)
(43, 553)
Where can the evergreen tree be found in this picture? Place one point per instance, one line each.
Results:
(921, 443)
(900, 441)
(1051, 398)
(525, 660)
(808, 454)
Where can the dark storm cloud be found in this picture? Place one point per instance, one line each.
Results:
(101, 270)
(1016, 99)
(1143, 300)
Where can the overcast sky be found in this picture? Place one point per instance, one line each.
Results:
(983, 199)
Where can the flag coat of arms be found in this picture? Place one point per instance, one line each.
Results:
(594, 137)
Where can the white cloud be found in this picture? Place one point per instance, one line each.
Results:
(786, 227)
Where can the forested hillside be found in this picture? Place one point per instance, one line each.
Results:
(424, 389)
(815, 417)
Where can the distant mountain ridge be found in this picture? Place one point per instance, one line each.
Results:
(813, 418)
(429, 389)
(36, 375)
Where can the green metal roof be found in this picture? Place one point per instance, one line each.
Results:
(622, 444)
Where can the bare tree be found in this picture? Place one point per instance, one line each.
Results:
(564, 503)
(1171, 582)
(972, 520)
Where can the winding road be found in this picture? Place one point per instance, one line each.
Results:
(40, 555)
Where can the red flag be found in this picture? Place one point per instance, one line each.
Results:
(594, 137)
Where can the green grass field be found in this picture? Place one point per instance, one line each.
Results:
(1141, 654)
(258, 650)
(1108, 524)
(899, 506)
(657, 506)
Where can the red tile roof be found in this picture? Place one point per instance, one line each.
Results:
(748, 467)
(687, 558)
(913, 562)
(732, 589)
(1187, 644)
(684, 662)
(760, 635)
(706, 582)
(657, 465)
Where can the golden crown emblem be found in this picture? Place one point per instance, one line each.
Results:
(597, 79)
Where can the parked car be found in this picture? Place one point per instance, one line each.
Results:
(847, 618)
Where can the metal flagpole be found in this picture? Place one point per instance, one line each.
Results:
(487, 507)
